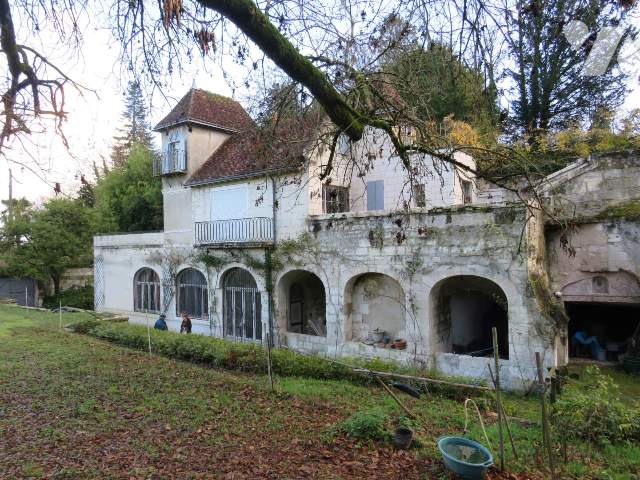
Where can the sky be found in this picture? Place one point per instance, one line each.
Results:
(94, 117)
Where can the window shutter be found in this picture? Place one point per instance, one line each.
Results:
(371, 195)
(375, 195)
(380, 195)
(183, 156)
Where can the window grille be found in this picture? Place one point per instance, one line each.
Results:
(419, 196)
(335, 199)
(146, 291)
(242, 306)
(466, 192)
(192, 296)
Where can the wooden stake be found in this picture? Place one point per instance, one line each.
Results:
(494, 332)
(504, 416)
(546, 433)
(393, 395)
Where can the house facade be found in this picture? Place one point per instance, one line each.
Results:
(366, 264)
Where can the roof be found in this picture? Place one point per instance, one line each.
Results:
(208, 109)
(249, 154)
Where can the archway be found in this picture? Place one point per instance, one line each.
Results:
(376, 310)
(242, 306)
(192, 295)
(302, 303)
(465, 309)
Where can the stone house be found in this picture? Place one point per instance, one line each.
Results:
(255, 250)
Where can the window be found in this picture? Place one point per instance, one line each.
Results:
(242, 305)
(146, 291)
(466, 191)
(335, 199)
(173, 159)
(419, 197)
(191, 294)
(375, 195)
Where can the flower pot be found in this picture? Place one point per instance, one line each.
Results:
(403, 438)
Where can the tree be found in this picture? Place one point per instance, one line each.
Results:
(550, 89)
(437, 85)
(136, 128)
(335, 51)
(129, 198)
(44, 242)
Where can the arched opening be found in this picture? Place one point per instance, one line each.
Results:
(146, 291)
(376, 310)
(302, 303)
(192, 296)
(242, 307)
(466, 308)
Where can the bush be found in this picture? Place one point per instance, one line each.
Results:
(595, 412)
(367, 425)
(77, 297)
(229, 355)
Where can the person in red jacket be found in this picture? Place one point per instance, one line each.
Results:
(185, 326)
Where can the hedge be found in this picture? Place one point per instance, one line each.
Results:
(78, 297)
(243, 357)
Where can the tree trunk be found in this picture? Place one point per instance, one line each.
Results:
(56, 284)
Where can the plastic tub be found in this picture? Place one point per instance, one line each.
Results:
(466, 458)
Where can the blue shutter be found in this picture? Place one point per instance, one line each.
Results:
(375, 195)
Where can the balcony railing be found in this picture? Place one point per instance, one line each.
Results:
(238, 230)
(170, 162)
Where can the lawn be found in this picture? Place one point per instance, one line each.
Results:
(73, 407)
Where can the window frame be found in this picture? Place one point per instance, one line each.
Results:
(142, 291)
(199, 289)
(338, 205)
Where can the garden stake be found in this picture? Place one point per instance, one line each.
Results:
(504, 415)
(546, 439)
(494, 332)
(146, 316)
(60, 313)
(393, 395)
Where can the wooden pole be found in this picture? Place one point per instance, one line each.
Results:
(494, 332)
(504, 416)
(60, 313)
(412, 377)
(546, 434)
(393, 395)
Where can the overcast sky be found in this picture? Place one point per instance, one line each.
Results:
(94, 118)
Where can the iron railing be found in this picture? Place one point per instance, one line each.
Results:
(169, 162)
(237, 230)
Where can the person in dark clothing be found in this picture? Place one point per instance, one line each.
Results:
(185, 326)
(161, 323)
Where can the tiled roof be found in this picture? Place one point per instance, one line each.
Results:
(206, 108)
(247, 154)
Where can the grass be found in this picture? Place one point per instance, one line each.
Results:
(72, 407)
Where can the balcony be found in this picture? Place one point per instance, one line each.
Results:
(170, 162)
(256, 230)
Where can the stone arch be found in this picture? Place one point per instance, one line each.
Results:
(464, 309)
(302, 304)
(374, 302)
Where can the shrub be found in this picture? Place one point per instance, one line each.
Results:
(77, 297)
(229, 355)
(594, 411)
(367, 425)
